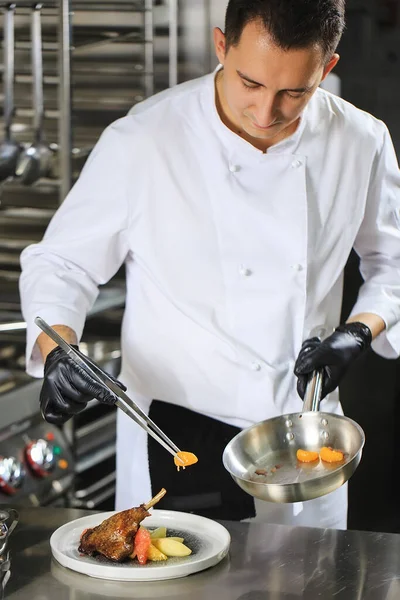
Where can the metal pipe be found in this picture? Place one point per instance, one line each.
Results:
(37, 72)
(209, 57)
(173, 42)
(17, 326)
(65, 100)
(121, 37)
(149, 48)
(107, 6)
(8, 74)
(96, 486)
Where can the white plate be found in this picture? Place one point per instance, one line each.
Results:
(208, 540)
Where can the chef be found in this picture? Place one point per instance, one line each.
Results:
(233, 201)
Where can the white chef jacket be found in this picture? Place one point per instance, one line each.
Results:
(232, 255)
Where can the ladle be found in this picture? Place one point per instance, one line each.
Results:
(35, 161)
(9, 148)
(8, 522)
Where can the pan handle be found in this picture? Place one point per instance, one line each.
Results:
(321, 332)
(312, 396)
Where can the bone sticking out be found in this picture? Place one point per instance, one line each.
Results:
(156, 499)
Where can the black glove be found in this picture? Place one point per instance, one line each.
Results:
(67, 388)
(334, 355)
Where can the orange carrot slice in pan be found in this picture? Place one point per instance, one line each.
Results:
(306, 456)
(331, 456)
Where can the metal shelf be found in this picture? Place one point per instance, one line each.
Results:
(89, 54)
(87, 6)
(69, 47)
(76, 77)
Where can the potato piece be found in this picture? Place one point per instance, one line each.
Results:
(155, 554)
(171, 547)
(177, 539)
(160, 532)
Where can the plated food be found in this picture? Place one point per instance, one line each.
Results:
(207, 540)
(121, 537)
(161, 546)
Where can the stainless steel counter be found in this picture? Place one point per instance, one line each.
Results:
(265, 562)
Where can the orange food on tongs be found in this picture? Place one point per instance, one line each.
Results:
(185, 459)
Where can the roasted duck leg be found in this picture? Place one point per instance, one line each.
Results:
(114, 537)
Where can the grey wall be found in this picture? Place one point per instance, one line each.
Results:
(370, 60)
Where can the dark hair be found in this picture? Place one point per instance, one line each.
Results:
(290, 23)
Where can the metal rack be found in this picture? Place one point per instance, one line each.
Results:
(78, 37)
(66, 47)
(83, 93)
(99, 58)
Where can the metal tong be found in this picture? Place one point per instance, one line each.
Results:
(123, 402)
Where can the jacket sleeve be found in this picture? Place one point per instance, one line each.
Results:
(378, 245)
(85, 244)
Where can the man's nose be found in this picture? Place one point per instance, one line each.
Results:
(265, 112)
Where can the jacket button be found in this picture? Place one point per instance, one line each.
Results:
(234, 168)
(296, 164)
(297, 267)
(244, 271)
(255, 366)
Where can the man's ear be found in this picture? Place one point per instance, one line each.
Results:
(220, 44)
(330, 65)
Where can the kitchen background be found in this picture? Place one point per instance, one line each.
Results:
(98, 59)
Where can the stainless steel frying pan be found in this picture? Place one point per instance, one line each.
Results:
(271, 446)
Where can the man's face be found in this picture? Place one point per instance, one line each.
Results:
(265, 88)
